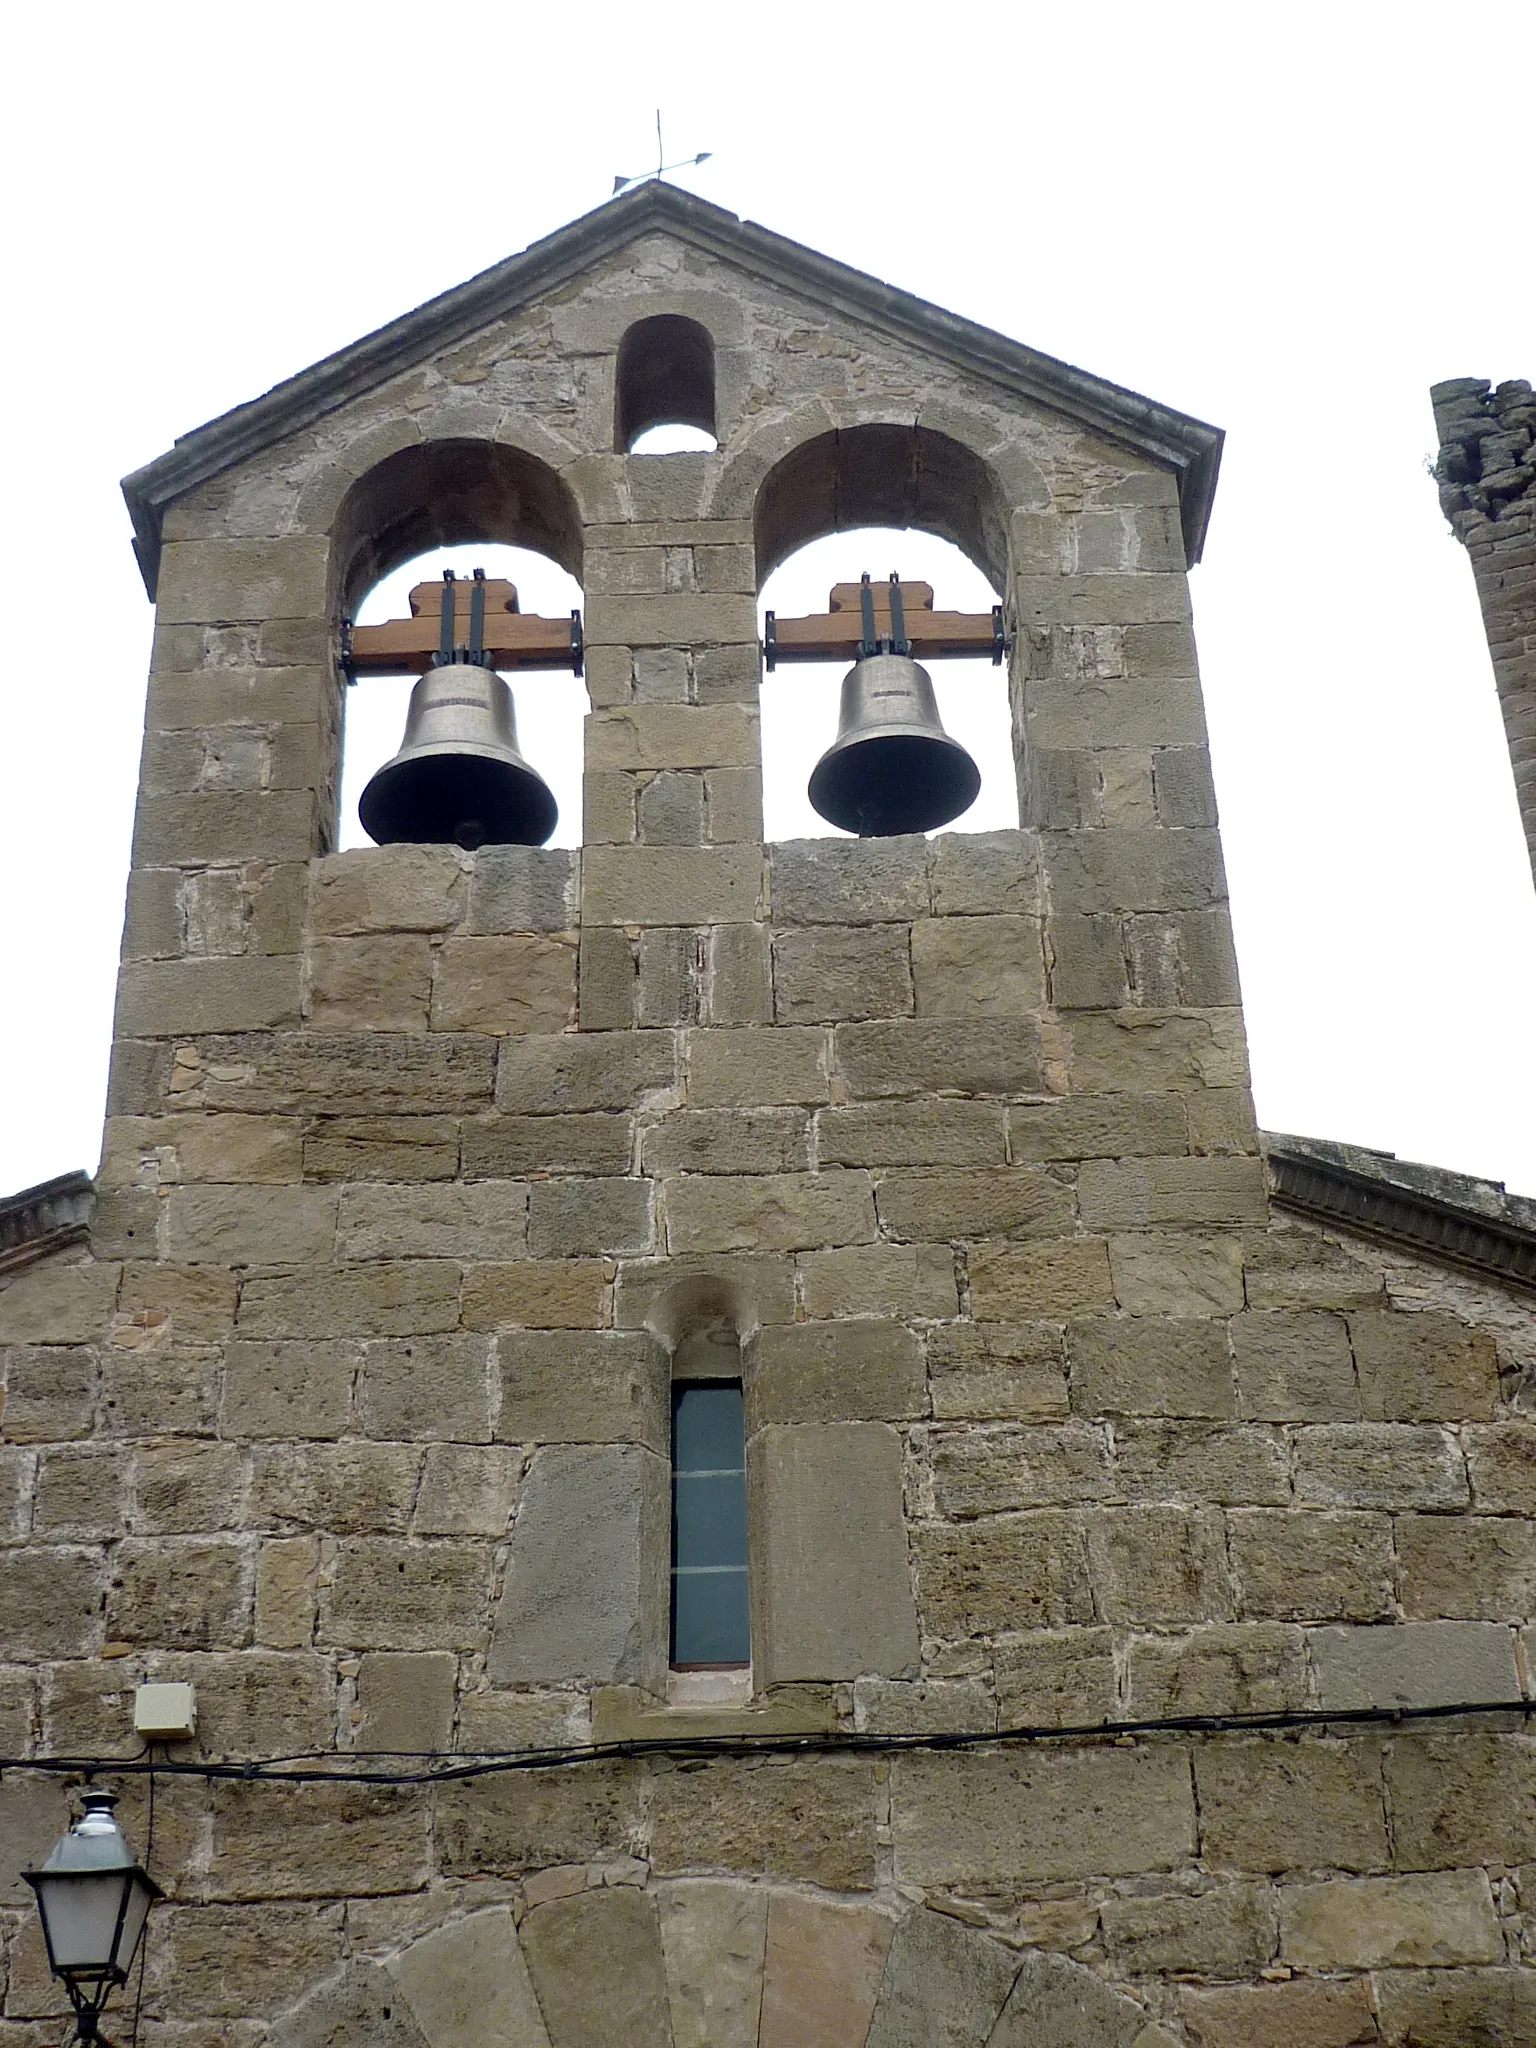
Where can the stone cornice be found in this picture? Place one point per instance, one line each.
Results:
(43, 1219)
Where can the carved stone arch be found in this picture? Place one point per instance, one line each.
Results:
(443, 493)
(829, 478)
(714, 1963)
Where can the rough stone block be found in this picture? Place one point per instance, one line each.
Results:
(176, 998)
(678, 618)
(1150, 1367)
(524, 889)
(1088, 965)
(1379, 1465)
(1462, 1799)
(1060, 2004)
(1147, 1051)
(663, 736)
(153, 927)
(319, 1841)
(592, 1386)
(1016, 1283)
(215, 1962)
(1292, 1805)
(1293, 1268)
(1244, 1668)
(344, 1489)
(50, 1392)
(1005, 1372)
(977, 966)
(388, 889)
(226, 829)
(861, 1370)
(388, 1595)
(912, 1134)
(1159, 1565)
(944, 1986)
(607, 983)
(586, 1591)
(426, 1389)
(217, 581)
(1062, 1679)
(768, 1212)
(982, 1056)
(1474, 1568)
(976, 1819)
(668, 987)
(50, 1602)
(571, 1072)
(536, 1294)
(287, 1390)
(1423, 1368)
(671, 885)
(1295, 1367)
(1367, 1923)
(1001, 1576)
(623, 2000)
(572, 1218)
(503, 1147)
(369, 1073)
(467, 1983)
(879, 1280)
(250, 1226)
(1415, 1664)
(739, 980)
(832, 1595)
(822, 1972)
(1457, 2008)
(78, 1496)
(849, 881)
(923, 1706)
(286, 1574)
(671, 810)
(747, 1288)
(713, 1937)
(826, 973)
(740, 1069)
(811, 1819)
(976, 1473)
(1292, 1566)
(733, 805)
(405, 1700)
(962, 1202)
(528, 1821)
(1306, 2012)
(57, 1302)
(505, 985)
(379, 983)
(492, 1722)
(185, 1593)
(391, 1298)
(1177, 1275)
(1121, 1194)
(1229, 1931)
(145, 1150)
(467, 1490)
(1501, 1462)
(728, 1141)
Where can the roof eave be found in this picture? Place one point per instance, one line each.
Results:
(1190, 447)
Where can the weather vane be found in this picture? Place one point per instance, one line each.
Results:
(662, 166)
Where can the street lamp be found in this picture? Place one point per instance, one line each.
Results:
(93, 1899)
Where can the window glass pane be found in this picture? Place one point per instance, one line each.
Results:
(709, 1525)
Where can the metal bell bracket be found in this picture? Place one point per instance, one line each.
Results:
(473, 620)
(867, 618)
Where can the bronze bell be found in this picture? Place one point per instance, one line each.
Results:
(892, 768)
(459, 776)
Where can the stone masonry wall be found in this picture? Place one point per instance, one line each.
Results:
(1487, 475)
(420, 1165)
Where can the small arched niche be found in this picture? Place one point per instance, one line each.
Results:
(664, 400)
(460, 505)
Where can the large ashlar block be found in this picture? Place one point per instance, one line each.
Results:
(1295, 1367)
(205, 1147)
(1308, 1805)
(388, 889)
(219, 581)
(852, 1371)
(1242, 1668)
(485, 1219)
(250, 1226)
(972, 1202)
(1367, 1923)
(625, 1999)
(1298, 1566)
(58, 1301)
(712, 1938)
(678, 618)
(524, 889)
(944, 1986)
(979, 1819)
(768, 1212)
(1114, 869)
(671, 885)
(1003, 1575)
(751, 1067)
(379, 983)
(1005, 1372)
(316, 1842)
(832, 1596)
(527, 1821)
(181, 998)
(850, 881)
(387, 1595)
(1415, 1664)
(1101, 600)
(978, 966)
(1055, 2001)
(467, 1983)
(1057, 1678)
(823, 1972)
(1153, 1366)
(583, 1387)
(916, 1056)
(1197, 1463)
(652, 736)
(226, 828)
(1134, 1194)
(586, 1591)
(912, 1134)
(392, 1298)
(809, 1818)
(1151, 1051)
(879, 1280)
(1423, 1367)
(572, 1072)
(827, 973)
(367, 1073)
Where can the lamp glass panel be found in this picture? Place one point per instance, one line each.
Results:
(80, 1910)
(139, 1901)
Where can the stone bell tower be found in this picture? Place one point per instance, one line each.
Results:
(490, 1245)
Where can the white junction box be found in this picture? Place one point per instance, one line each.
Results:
(165, 1713)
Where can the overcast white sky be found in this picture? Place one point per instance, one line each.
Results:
(1289, 222)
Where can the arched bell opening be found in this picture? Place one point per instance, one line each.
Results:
(549, 705)
(462, 506)
(664, 400)
(883, 499)
(806, 714)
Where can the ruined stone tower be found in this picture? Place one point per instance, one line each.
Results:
(429, 1175)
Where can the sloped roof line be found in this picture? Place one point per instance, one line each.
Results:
(1190, 446)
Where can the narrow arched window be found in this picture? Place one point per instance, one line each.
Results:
(710, 1620)
(666, 378)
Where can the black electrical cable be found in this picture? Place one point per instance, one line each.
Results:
(442, 1769)
(149, 1851)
